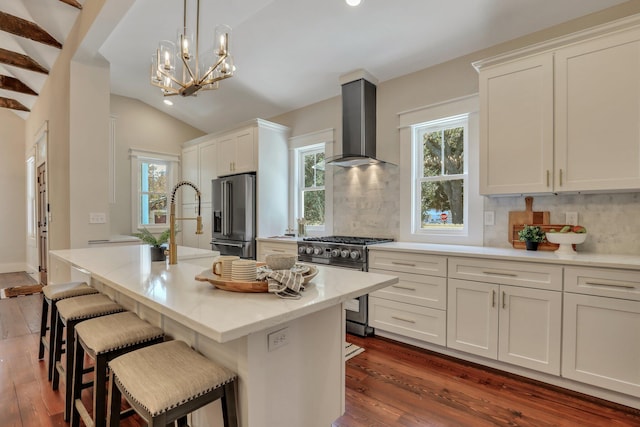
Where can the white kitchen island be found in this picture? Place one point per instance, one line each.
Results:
(297, 381)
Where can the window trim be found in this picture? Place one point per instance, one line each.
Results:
(297, 144)
(475, 203)
(301, 152)
(138, 156)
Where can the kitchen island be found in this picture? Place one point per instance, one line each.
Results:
(288, 354)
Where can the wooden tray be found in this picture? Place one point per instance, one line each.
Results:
(254, 287)
(542, 246)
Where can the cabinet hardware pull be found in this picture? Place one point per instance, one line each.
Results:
(277, 250)
(560, 177)
(504, 297)
(548, 174)
(404, 320)
(408, 264)
(403, 287)
(493, 298)
(611, 285)
(499, 273)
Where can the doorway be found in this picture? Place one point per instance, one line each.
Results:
(43, 210)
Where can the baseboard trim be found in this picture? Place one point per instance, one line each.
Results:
(12, 267)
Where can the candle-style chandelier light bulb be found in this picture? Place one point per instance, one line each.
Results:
(181, 69)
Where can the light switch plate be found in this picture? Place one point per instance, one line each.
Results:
(571, 218)
(489, 218)
(97, 218)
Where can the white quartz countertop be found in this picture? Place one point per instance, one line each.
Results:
(549, 257)
(221, 315)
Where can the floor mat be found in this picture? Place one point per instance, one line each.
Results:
(351, 350)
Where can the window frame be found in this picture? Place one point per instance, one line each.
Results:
(137, 158)
(301, 188)
(304, 144)
(474, 211)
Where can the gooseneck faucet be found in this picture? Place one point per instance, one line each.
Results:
(173, 247)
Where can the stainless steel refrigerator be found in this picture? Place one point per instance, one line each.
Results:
(234, 215)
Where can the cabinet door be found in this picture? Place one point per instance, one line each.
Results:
(601, 343)
(208, 169)
(226, 155)
(245, 160)
(188, 228)
(190, 165)
(472, 317)
(530, 325)
(516, 127)
(597, 109)
(204, 239)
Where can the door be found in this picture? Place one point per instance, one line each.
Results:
(43, 210)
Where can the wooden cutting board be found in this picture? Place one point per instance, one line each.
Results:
(528, 216)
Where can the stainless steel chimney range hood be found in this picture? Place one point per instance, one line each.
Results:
(358, 125)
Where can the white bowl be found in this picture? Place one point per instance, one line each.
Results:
(566, 240)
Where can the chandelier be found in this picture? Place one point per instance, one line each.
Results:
(180, 69)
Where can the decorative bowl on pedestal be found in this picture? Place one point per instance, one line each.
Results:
(566, 241)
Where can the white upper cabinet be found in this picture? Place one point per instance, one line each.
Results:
(516, 121)
(563, 120)
(199, 167)
(237, 152)
(208, 168)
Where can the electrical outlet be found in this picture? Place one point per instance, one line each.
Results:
(277, 339)
(489, 218)
(97, 218)
(571, 218)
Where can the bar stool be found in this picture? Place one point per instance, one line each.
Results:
(165, 382)
(52, 294)
(103, 339)
(72, 311)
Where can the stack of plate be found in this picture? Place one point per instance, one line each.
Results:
(243, 270)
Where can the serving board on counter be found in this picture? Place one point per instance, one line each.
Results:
(542, 246)
(528, 217)
(256, 286)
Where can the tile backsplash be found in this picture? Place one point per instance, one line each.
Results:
(366, 202)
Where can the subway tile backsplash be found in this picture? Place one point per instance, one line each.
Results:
(366, 203)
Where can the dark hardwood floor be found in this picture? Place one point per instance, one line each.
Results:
(388, 385)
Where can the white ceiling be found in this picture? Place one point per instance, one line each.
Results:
(290, 53)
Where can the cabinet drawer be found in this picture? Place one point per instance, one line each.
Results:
(266, 248)
(624, 284)
(530, 275)
(422, 323)
(408, 262)
(422, 290)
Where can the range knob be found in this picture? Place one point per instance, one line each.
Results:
(309, 250)
(302, 250)
(344, 253)
(355, 254)
(335, 253)
(317, 251)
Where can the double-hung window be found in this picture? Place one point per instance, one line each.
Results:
(153, 177)
(311, 192)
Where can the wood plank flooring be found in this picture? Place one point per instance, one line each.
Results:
(390, 384)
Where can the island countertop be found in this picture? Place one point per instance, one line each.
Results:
(220, 315)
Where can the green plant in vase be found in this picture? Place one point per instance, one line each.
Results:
(156, 242)
(532, 235)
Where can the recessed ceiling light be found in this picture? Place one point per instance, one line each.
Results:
(168, 102)
(353, 2)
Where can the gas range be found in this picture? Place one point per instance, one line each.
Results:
(343, 251)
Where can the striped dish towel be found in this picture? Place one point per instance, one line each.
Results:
(284, 283)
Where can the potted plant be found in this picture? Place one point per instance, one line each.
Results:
(532, 235)
(157, 243)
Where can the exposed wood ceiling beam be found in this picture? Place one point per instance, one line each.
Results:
(27, 29)
(12, 104)
(15, 85)
(73, 3)
(22, 61)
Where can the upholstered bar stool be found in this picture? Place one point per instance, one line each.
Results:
(52, 294)
(103, 339)
(72, 311)
(165, 382)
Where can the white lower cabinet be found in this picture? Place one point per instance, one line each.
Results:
(188, 227)
(265, 248)
(509, 323)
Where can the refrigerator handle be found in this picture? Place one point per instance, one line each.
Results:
(226, 208)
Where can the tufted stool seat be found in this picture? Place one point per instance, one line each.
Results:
(165, 382)
(52, 294)
(72, 311)
(103, 339)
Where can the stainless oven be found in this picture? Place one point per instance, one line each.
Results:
(343, 252)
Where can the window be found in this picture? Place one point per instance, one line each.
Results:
(310, 188)
(439, 192)
(440, 175)
(153, 177)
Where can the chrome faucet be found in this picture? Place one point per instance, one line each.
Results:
(173, 247)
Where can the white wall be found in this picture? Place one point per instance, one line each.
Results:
(12, 193)
(374, 212)
(140, 126)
